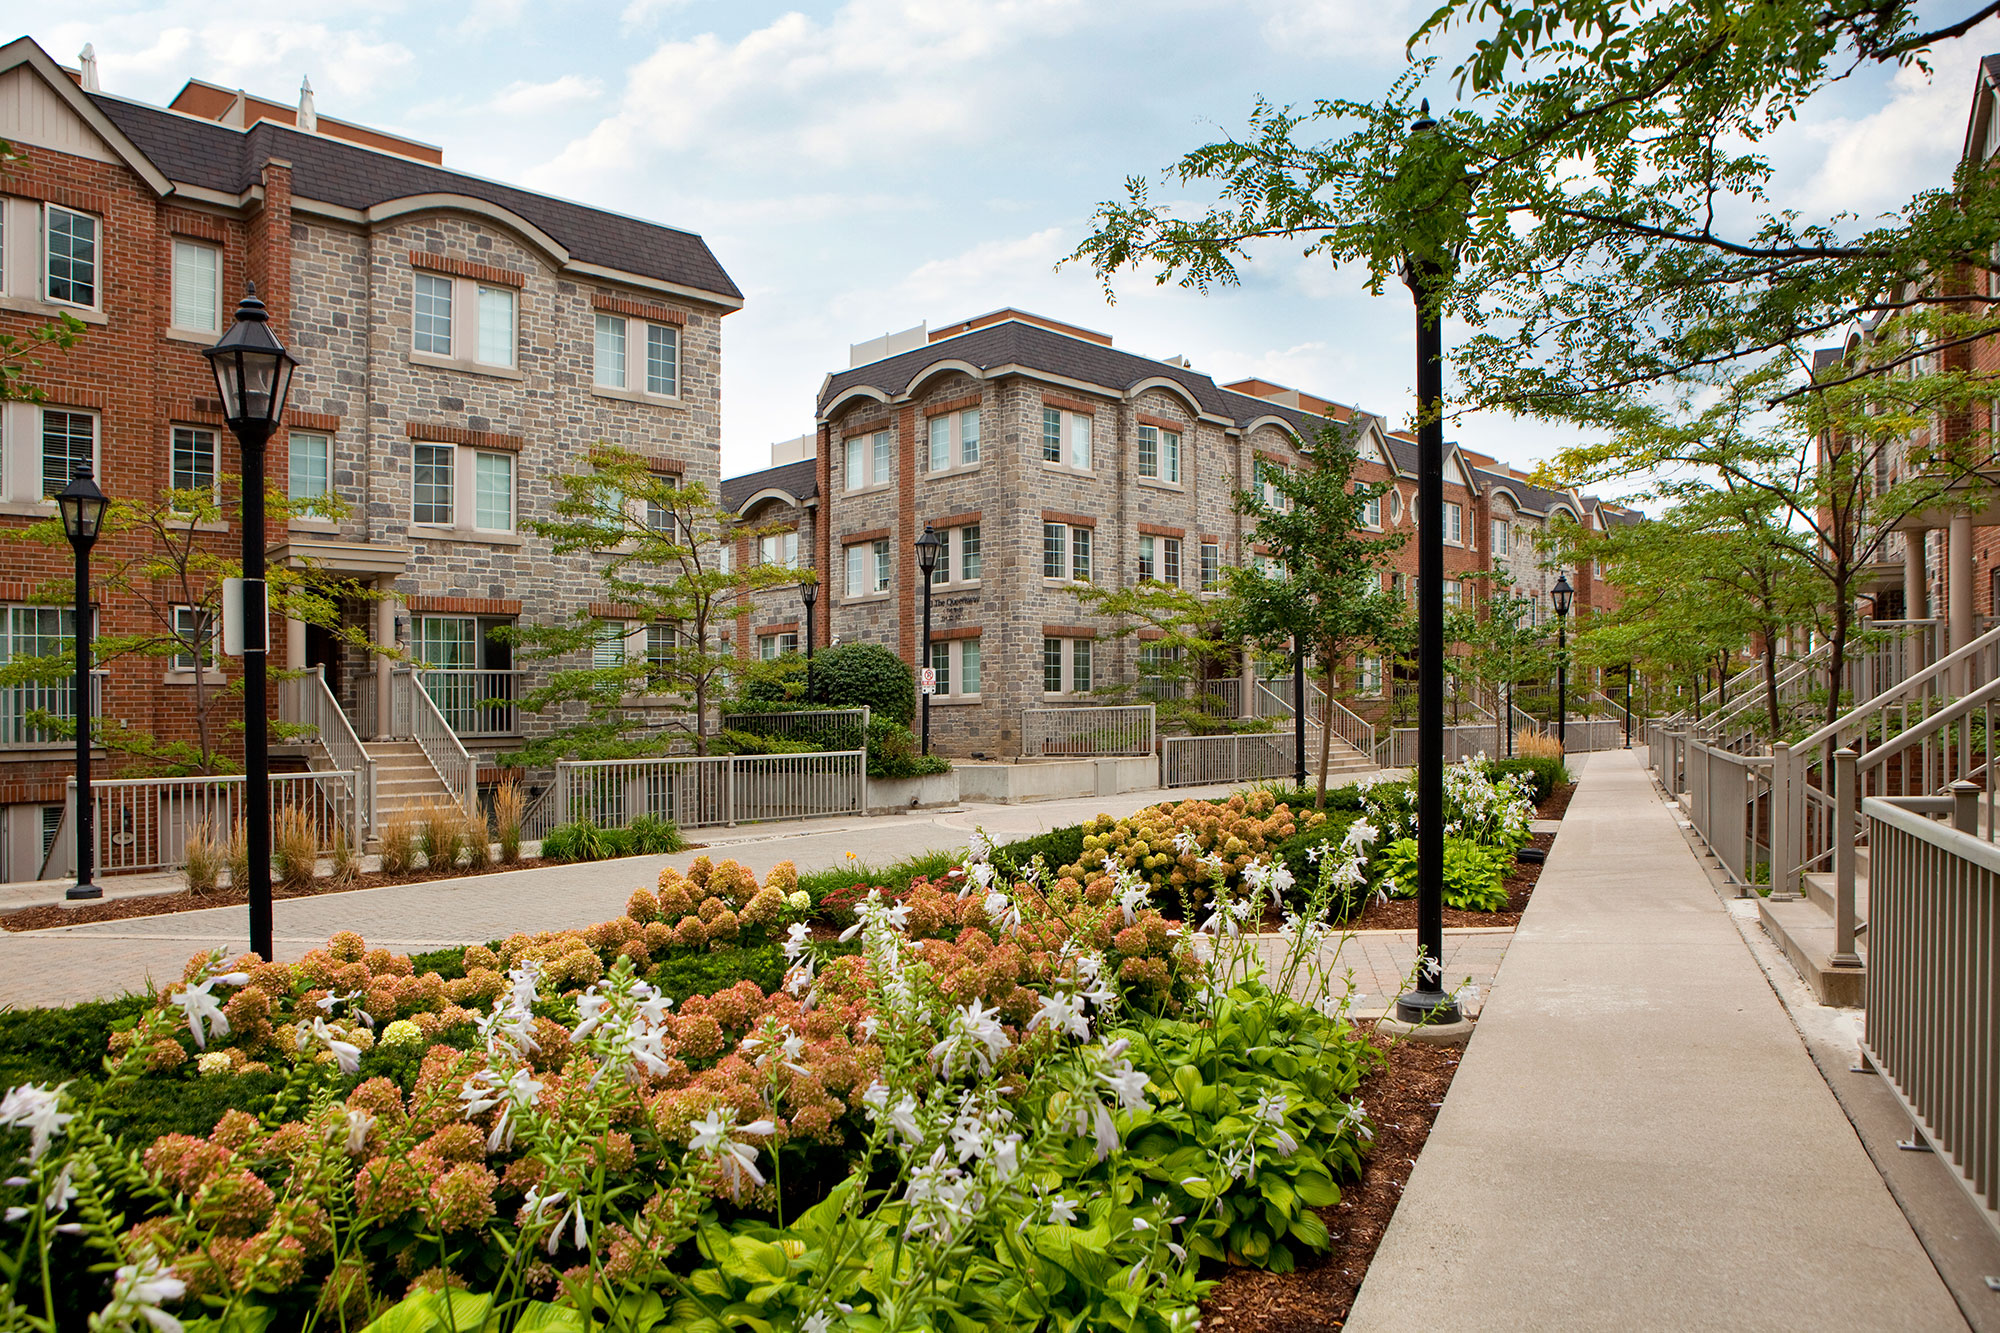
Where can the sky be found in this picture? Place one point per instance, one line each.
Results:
(861, 167)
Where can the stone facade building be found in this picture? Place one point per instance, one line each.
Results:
(461, 344)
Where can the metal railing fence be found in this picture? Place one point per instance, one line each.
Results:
(695, 792)
(307, 701)
(1932, 993)
(1399, 749)
(418, 718)
(1200, 761)
(832, 728)
(1727, 800)
(145, 823)
(1088, 730)
(473, 701)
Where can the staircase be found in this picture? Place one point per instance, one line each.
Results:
(405, 780)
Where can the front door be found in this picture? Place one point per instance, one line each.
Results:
(323, 651)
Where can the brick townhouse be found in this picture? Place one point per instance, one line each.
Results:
(1046, 457)
(461, 343)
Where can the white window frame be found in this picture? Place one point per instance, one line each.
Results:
(1070, 547)
(1267, 493)
(779, 548)
(296, 438)
(96, 301)
(867, 568)
(1164, 447)
(1068, 656)
(952, 441)
(1170, 561)
(214, 437)
(770, 647)
(1368, 677)
(1371, 510)
(1077, 433)
(184, 663)
(1211, 567)
(1454, 528)
(948, 660)
(634, 378)
(209, 325)
(871, 454)
(25, 466)
(1501, 538)
(465, 498)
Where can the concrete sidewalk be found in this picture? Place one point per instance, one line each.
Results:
(1637, 1137)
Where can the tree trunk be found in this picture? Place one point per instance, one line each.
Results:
(1325, 740)
(1836, 665)
(1771, 682)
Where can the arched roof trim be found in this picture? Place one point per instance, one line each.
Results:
(557, 253)
(1171, 385)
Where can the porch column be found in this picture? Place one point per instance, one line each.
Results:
(1958, 595)
(1916, 580)
(1249, 708)
(385, 633)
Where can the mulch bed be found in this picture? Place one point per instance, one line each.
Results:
(1557, 803)
(1401, 913)
(1402, 1100)
(49, 915)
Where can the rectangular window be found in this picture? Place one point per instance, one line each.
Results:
(659, 652)
(1055, 540)
(1079, 442)
(72, 256)
(1170, 456)
(1271, 476)
(663, 360)
(1211, 566)
(431, 319)
(1368, 676)
(779, 548)
(448, 642)
(1451, 592)
(941, 572)
(968, 553)
(1052, 666)
(968, 666)
(609, 650)
(1148, 564)
(1052, 424)
(197, 287)
(493, 485)
(496, 326)
(879, 446)
(194, 459)
(193, 629)
(770, 647)
(1079, 554)
(308, 472)
(608, 355)
(1371, 509)
(68, 438)
(1170, 560)
(660, 518)
(1149, 451)
(968, 436)
(882, 566)
(941, 666)
(857, 462)
(1079, 666)
(1451, 524)
(1499, 536)
(857, 571)
(940, 443)
(431, 474)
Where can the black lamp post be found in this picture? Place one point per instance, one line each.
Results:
(253, 374)
(1299, 711)
(82, 507)
(809, 594)
(1427, 266)
(1562, 595)
(929, 547)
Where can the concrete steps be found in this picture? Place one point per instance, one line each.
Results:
(404, 779)
(1804, 929)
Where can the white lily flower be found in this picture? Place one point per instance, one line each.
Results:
(796, 936)
(37, 1110)
(137, 1292)
(203, 1013)
(346, 1053)
(358, 1125)
(1061, 1211)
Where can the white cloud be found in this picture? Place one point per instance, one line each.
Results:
(1875, 162)
(265, 55)
(534, 99)
(1341, 28)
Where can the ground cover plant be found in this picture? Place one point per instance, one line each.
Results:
(999, 1102)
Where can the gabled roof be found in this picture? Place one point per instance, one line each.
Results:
(1530, 498)
(799, 480)
(173, 152)
(217, 157)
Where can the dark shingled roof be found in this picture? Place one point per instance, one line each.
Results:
(1826, 356)
(217, 157)
(1535, 499)
(800, 479)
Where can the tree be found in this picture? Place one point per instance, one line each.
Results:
(1183, 642)
(1502, 644)
(666, 564)
(1325, 593)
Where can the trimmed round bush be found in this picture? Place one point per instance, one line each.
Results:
(851, 675)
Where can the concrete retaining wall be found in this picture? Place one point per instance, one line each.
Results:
(1055, 779)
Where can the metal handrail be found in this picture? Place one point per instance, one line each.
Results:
(1100, 730)
(314, 706)
(440, 744)
(475, 701)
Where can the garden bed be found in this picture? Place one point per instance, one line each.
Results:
(1403, 1098)
(48, 916)
(1557, 802)
(1401, 913)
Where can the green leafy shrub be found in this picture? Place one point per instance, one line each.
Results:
(1474, 875)
(733, 741)
(578, 841)
(893, 752)
(1301, 798)
(1058, 847)
(706, 973)
(1547, 774)
(649, 835)
(1297, 853)
(837, 889)
(54, 1045)
(851, 675)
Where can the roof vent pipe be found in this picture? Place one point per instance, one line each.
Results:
(308, 118)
